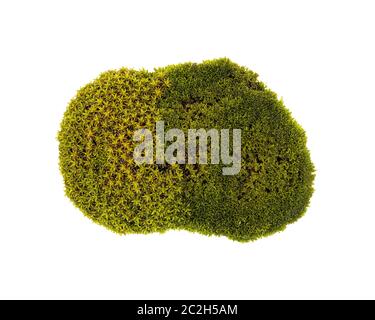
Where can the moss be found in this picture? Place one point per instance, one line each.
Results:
(96, 155)
(272, 189)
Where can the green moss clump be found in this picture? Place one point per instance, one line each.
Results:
(96, 155)
(272, 189)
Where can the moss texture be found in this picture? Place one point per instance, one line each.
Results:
(272, 189)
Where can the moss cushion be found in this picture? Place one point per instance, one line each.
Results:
(102, 179)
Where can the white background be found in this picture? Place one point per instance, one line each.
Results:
(318, 56)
